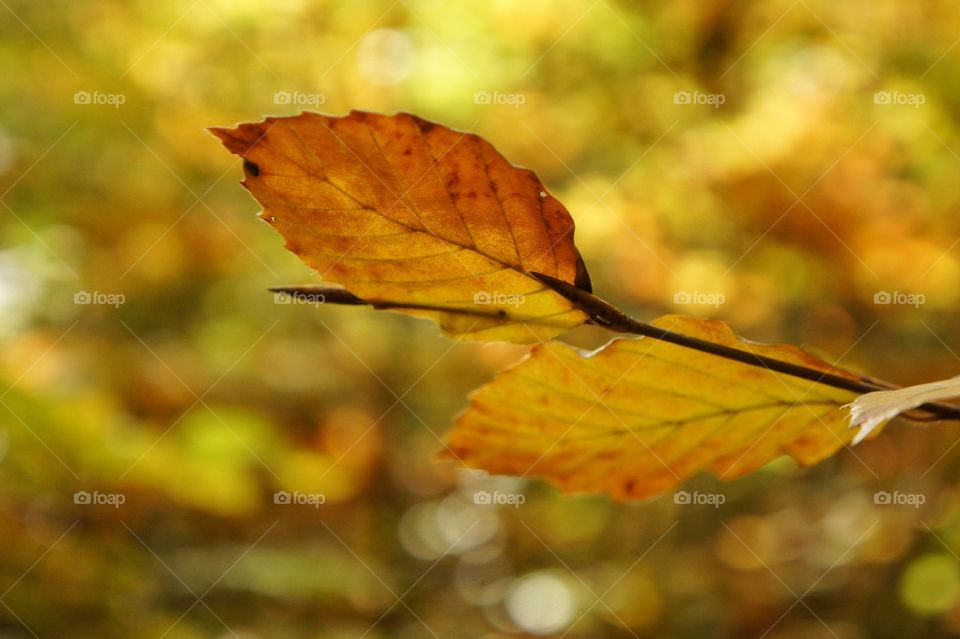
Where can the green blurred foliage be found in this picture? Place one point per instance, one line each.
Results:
(827, 176)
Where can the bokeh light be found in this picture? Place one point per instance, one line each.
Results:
(541, 603)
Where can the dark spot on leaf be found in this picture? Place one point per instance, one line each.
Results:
(422, 124)
(408, 152)
(582, 278)
(251, 167)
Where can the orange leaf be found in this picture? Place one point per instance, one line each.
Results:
(415, 217)
(639, 416)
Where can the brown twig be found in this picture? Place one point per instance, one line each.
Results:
(604, 314)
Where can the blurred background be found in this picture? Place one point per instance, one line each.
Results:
(789, 166)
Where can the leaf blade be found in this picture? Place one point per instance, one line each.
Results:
(640, 416)
(416, 217)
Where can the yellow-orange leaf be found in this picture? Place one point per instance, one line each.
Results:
(639, 416)
(413, 216)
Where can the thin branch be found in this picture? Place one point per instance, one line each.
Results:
(606, 315)
(325, 294)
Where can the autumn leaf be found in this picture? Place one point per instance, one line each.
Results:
(415, 217)
(639, 416)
